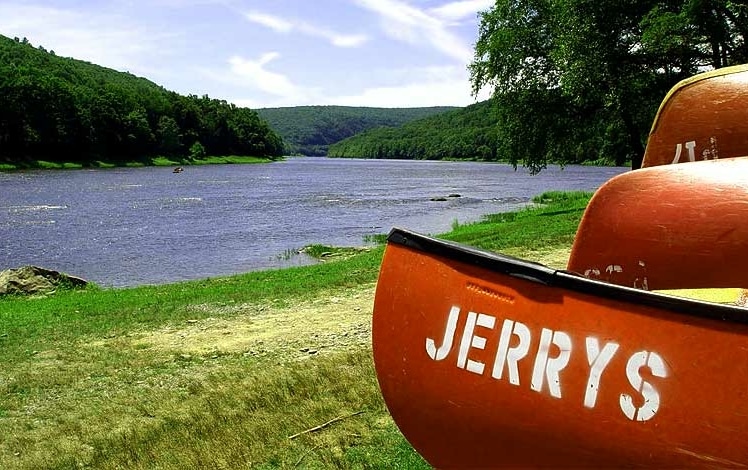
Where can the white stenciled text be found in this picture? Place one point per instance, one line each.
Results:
(550, 352)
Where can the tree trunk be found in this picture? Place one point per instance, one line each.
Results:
(634, 139)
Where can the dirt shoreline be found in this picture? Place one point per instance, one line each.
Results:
(332, 320)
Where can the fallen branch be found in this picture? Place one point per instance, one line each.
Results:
(323, 426)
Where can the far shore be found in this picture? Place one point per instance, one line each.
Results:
(157, 161)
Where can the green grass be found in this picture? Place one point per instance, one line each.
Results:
(156, 161)
(29, 323)
(326, 253)
(165, 161)
(223, 425)
(210, 160)
(229, 159)
(44, 165)
(379, 238)
(219, 373)
(552, 221)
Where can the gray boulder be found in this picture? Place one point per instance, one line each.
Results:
(35, 280)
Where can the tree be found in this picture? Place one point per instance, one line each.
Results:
(467, 133)
(61, 109)
(603, 65)
(169, 141)
(197, 151)
(140, 138)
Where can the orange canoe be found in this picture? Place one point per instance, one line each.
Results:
(704, 117)
(668, 227)
(678, 226)
(489, 361)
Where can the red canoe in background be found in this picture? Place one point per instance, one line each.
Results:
(489, 361)
(668, 227)
(678, 226)
(704, 117)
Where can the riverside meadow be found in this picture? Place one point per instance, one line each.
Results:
(269, 369)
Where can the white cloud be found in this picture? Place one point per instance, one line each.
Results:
(340, 40)
(253, 74)
(426, 86)
(268, 88)
(281, 25)
(411, 95)
(407, 23)
(460, 10)
(105, 39)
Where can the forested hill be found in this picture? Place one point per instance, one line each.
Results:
(465, 133)
(309, 130)
(65, 110)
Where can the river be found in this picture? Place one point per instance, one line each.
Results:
(132, 226)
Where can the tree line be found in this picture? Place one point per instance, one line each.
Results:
(65, 110)
(310, 130)
(468, 133)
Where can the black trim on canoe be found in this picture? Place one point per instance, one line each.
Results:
(541, 274)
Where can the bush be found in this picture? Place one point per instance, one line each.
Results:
(197, 151)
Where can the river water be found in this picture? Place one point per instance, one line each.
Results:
(125, 227)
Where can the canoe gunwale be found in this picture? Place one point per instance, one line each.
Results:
(685, 83)
(541, 274)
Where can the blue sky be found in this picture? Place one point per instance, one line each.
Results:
(268, 53)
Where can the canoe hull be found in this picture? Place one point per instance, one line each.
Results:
(488, 361)
(668, 227)
(704, 117)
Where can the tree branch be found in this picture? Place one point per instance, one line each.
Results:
(324, 425)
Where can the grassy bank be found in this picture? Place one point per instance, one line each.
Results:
(264, 370)
(157, 161)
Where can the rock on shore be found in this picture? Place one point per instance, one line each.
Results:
(35, 280)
